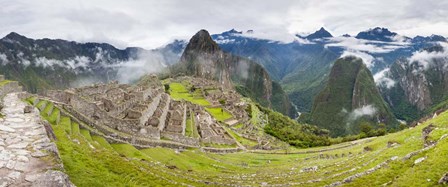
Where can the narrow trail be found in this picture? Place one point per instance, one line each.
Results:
(27, 156)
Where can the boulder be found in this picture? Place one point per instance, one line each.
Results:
(53, 178)
(425, 135)
(28, 109)
(444, 179)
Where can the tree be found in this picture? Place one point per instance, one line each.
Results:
(222, 101)
(167, 87)
(365, 127)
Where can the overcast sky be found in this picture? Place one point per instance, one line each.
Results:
(151, 23)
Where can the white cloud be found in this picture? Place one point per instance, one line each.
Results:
(44, 62)
(381, 78)
(425, 58)
(367, 59)
(367, 110)
(354, 44)
(146, 62)
(151, 23)
(3, 59)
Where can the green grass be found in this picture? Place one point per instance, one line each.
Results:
(246, 142)
(190, 129)
(75, 128)
(238, 126)
(103, 167)
(86, 134)
(219, 113)
(4, 82)
(178, 92)
(40, 104)
(129, 151)
(124, 165)
(55, 115)
(102, 142)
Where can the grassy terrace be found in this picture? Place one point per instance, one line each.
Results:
(95, 162)
(190, 129)
(219, 113)
(178, 91)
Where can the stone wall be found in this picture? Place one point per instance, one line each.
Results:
(146, 114)
(180, 138)
(58, 95)
(9, 88)
(162, 119)
(221, 150)
(218, 140)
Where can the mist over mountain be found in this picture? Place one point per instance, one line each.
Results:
(203, 57)
(46, 63)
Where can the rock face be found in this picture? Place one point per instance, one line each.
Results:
(420, 83)
(53, 179)
(204, 58)
(349, 99)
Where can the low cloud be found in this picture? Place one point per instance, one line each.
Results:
(3, 59)
(367, 110)
(243, 69)
(425, 58)
(367, 59)
(146, 62)
(354, 44)
(382, 79)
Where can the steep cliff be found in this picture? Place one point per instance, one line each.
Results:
(349, 99)
(204, 58)
(417, 83)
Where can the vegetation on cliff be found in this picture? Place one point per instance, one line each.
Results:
(350, 99)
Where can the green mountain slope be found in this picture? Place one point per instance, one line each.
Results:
(350, 99)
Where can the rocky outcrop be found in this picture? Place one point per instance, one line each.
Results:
(420, 83)
(204, 58)
(53, 178)
(444, 179)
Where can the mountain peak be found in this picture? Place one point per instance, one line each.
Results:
(202, 42)
(233, 31)
(321, 33)
(432, 38)
(377, 33)
(356, 101)
(14, 36)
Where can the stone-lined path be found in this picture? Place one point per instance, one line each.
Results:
(27, 156)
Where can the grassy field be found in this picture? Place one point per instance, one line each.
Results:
(178, 92)
(124, 165)
(244, 141)
(219, 113)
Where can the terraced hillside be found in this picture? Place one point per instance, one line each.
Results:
(412, 157)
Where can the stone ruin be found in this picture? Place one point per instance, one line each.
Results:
(141, 111)
(11, 86)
